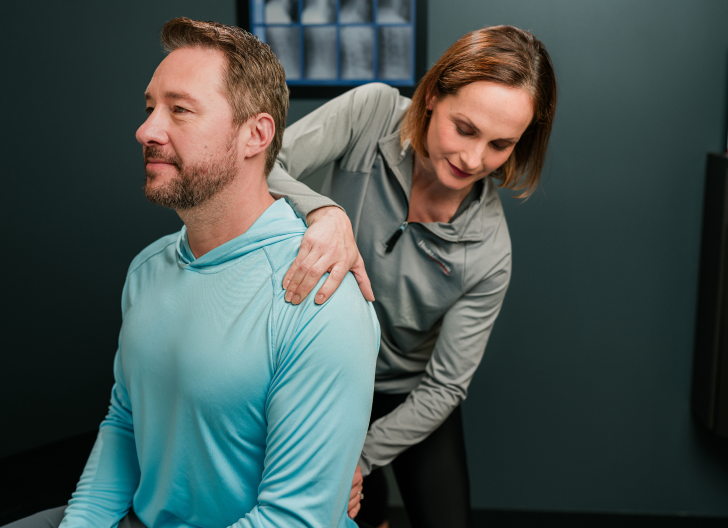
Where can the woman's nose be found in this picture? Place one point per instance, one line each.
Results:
(473, 158)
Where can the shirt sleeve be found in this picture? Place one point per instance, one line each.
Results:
(345, 127)
(111, 476)
(318, 409)
(464, 334)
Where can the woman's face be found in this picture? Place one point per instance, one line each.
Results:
(473, 132)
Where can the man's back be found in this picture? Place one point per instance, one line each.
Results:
(228, 400)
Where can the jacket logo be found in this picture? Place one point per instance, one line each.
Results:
(432, 256)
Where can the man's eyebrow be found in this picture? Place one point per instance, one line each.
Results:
(174, 95)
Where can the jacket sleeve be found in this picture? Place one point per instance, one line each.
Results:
(459, 348)
(343, 128)
(111, 476)
(318, 409)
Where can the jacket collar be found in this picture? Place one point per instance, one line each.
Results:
(469, 225)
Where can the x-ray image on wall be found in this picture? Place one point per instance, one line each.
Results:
(285, 43)
(281, 11)
(320, 46)
(395, 52)
(319, 12)
(357, 52)
(356, 12)
(394, 12)
(339, 42)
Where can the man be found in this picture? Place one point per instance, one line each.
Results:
(231, 407)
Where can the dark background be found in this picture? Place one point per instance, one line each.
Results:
(582, 400)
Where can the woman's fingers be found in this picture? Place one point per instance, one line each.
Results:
(354, 501)
(304, 272)
(303, 252)
(333, 281)
(358, 478)
(336, 275)
(355, 495)
(360, 274)
(328, 245)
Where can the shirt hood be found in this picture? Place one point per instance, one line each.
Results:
(278, 222)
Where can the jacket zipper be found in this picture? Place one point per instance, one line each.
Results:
(393, 239)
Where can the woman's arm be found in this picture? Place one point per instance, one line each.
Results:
(342, 129)
(457, 354)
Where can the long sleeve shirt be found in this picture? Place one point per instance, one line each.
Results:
(231, 407)
(440, 288)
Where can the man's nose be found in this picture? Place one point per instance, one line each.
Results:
(153, 131)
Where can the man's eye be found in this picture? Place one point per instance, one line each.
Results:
(149, 110)
(179, 110)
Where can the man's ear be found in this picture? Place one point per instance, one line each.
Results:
(261, 128)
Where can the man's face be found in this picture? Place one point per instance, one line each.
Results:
(189, 141)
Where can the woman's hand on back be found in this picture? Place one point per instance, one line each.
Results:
(328, 245)
(356, 494)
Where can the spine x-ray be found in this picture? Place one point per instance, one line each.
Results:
(339, 41)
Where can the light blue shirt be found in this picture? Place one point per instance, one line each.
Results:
(231, 407)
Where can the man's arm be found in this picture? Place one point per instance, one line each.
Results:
(318, 409)
(111, 476)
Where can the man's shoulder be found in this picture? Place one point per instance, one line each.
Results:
(152, 250)
(282, 253)
(346, 314)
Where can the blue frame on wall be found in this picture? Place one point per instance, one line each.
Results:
(330, 46)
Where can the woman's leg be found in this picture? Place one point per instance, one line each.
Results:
(433, 478)
(374, 506)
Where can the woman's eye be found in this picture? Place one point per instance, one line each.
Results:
(499, 147)
(463, 132)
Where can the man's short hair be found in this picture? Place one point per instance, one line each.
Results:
(254, 79)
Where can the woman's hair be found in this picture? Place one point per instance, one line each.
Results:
(505, 55)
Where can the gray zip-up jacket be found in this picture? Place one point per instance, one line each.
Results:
(440, 288)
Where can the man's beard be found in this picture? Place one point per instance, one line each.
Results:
(193, 184)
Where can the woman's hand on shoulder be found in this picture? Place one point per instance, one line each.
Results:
(328, 245)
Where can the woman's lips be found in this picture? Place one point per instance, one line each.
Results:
(457, 172)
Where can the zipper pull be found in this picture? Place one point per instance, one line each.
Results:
(393, 240)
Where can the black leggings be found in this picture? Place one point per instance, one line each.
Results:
(432, 476)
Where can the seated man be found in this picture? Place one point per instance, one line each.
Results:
(231, 407)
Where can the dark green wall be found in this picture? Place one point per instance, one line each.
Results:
(582, 400)
(73, 214)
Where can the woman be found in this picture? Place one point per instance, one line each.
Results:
(418, 180)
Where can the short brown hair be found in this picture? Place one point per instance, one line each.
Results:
(505, 55)
(254, 80)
